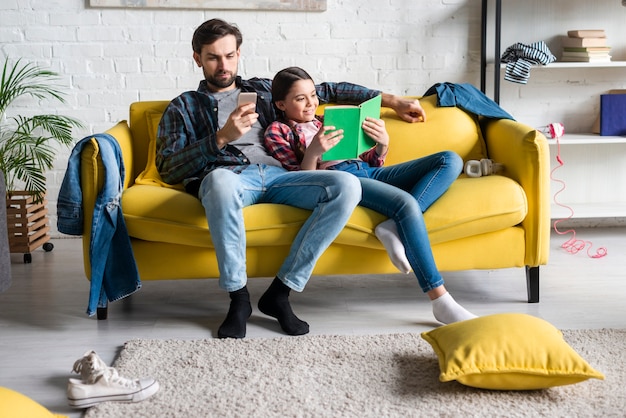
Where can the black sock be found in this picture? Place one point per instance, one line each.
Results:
(275, 303)
(234, 326)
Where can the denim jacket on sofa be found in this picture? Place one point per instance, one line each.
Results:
(114, 273)
(467, 97)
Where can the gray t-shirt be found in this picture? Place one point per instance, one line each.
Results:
(251, 144)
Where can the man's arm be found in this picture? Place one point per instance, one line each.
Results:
(185, 145)
(408, 109)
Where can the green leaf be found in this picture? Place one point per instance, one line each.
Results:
(27, 148)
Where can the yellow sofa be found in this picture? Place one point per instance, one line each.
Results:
(490, 222)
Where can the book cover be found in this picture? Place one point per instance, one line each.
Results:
(613, 114)
(350, 118)
(567, 41)
(595, 128)
(586, 33)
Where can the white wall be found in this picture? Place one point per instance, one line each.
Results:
(109, 58)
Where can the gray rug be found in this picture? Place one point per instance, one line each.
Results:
(393, 375)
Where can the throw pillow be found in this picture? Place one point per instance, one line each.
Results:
(507, 351)
(150, 175)
(15, 405)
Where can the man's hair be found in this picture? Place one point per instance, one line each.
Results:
(212, 30)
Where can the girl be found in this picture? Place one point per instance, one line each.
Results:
(401, 192)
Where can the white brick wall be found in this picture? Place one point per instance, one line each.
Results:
(109, 58)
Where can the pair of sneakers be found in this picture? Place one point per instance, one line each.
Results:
(101, 383)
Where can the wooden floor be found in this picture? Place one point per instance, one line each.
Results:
(44, 328)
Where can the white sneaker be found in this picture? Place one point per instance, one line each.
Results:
(90, 366)
(100, 383)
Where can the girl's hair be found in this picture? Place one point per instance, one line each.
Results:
(282, 83)
(212, 30)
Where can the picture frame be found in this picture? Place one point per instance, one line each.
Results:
(287, 5)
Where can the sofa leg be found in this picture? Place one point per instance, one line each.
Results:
(532, 283)
(101, 313)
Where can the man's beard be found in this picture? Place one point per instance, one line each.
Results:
(220, 83)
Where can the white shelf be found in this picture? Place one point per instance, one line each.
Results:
(587, 139)
(562, 64)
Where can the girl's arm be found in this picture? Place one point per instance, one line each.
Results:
(280, 143)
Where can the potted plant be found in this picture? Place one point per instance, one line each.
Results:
(28, 146)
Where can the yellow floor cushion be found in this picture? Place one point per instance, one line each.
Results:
(15, 405)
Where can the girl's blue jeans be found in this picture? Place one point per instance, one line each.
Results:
(403, 192)
(330, 195)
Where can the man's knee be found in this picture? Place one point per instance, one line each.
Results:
(220, 185)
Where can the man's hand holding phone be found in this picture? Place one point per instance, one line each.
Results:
(248, 116)
(240, 121)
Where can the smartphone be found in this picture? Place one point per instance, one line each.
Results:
(246, 97)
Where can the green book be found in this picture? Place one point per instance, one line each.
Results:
(350, 118)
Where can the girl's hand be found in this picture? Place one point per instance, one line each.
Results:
(326, 138)
(375, 129)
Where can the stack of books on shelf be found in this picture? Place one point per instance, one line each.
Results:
(589, 45)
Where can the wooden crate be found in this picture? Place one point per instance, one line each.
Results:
(27, 224)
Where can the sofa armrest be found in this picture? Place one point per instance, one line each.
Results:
(525, 154)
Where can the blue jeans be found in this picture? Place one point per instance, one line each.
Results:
(422, 182)
(426, 178)
(331, 196)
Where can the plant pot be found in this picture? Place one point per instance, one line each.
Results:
(28, 225)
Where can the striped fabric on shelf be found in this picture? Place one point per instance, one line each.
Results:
(520, 57)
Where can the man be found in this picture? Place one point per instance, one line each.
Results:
(215, 147)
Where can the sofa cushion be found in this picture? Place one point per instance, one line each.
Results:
(445, 129)
(150, 175)
(454, 130)
(174, 216)
(471, 206)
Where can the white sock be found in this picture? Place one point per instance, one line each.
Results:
(447, 310)
(387, 233)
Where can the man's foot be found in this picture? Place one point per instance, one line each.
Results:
(387, 233)
(100, 383)
(275, 303)
(447, 310)
(234, 326)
